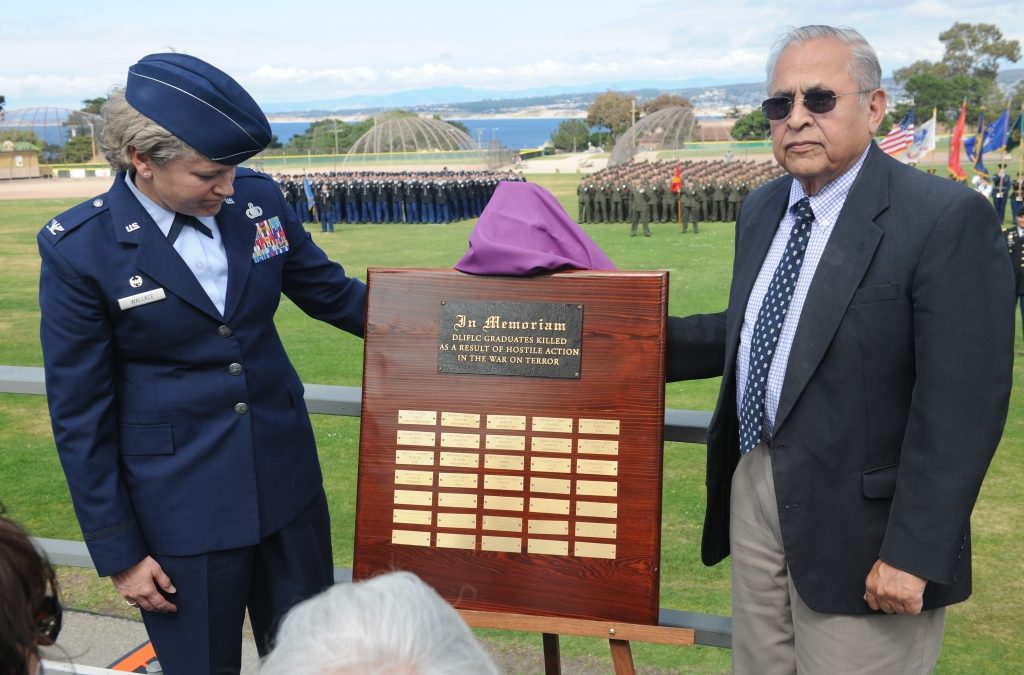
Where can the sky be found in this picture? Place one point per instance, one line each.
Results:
(62, 52)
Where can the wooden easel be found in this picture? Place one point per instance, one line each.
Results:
(618, 635)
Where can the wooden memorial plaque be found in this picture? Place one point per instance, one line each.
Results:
(511, 444)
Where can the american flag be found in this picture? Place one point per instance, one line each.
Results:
(899, 137)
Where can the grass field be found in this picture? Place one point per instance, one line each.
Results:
(982, 635)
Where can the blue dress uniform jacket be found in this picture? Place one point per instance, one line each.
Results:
(181, 431)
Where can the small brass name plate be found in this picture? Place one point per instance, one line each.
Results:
(550, 464)
(594, 446)
(414, 497)
(586, 549)
(456, 500)
(553, 425)
(525, 339)
(425, 417)
(594, 530)
(558, 506)
(504, 544)
(598, 488)
(597, 510)
(463, 420)
(510, 483)
(464, 460)
(414, 477)
(504, 462)
(411, 517)
(506, 422)
(406, 437)
(496, 442)
(493, 503)
(549, 527)
(546, 444)
(503, 524)
(454, 440)
(456, 480)
(457, 520)
(419, 457)
(553, 485)
(452, 540)
(547, 547)
(410, 537)
(598, 467)
(605, 427)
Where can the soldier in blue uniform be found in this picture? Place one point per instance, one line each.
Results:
(179, 420)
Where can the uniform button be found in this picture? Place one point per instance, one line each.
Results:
(224, 331)
(235, 368)
(241, 408)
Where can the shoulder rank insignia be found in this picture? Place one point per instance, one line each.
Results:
(55, 227)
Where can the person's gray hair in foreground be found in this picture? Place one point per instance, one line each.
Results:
(388, 625)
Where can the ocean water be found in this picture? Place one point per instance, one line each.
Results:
(515, 133)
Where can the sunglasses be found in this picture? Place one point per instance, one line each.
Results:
(817, 102)
(49, 618)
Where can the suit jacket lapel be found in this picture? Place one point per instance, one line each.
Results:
(846, 258)
(155, 255)
(238, 234)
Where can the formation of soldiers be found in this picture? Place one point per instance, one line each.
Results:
(391, 196)
(641, 193)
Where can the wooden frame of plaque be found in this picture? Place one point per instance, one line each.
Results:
(510, 451)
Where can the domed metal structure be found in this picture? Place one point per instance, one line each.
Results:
(665, 129)
(407, 132)
(51, 126)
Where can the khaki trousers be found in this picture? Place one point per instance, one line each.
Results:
(773, 631)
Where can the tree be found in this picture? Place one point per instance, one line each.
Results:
(77, 150)
(319, 137)
(571, 135)
(976, 49)
(612, 110)
(93, 105)
(274, 143)
(663, 101)
(458, 125)
(753, 126)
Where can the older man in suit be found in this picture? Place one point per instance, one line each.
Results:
(866, 353)
(179, 420)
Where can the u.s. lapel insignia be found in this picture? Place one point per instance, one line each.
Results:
(271, 240)
(229, 200)
(55, 227)
(132, 227)
(135, 281)
(253, 212)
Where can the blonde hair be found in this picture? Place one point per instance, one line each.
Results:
(125, 128)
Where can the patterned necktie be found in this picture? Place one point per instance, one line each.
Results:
(770, 318)
(180, 221)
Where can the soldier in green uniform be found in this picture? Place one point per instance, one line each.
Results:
(639, 194)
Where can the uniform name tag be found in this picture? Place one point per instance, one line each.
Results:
(141, 298)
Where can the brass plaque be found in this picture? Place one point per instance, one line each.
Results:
(412, 517)
(457, 520)
(594, 530)
(414, 477)
(410, 537)
(587, 549)
(594, 446)
(550, 464)
(493, 503)
(406, 437)
(463, 420)
(498, 442)
(597, 510)
(541, 505)
(414, 497)
(503, 524)
(420, 457)
(531, 339)
(598, 488)
(548, 527)
(606, 427)
(553, 485)
(506, 422)
(456, 500)
(456, 480)
(464, 460)
(547, 547)
(554, 425)
(505, 462)
(505, 544)
(452, 540)
(510, 483)
(450, 439)
(425, 417)
(546, 444)
(598, 467)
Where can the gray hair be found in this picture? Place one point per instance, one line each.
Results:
(863, 65)
(393, 623)
(125, 128)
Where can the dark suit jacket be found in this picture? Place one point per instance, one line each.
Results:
(181, 431)
(896, 389)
